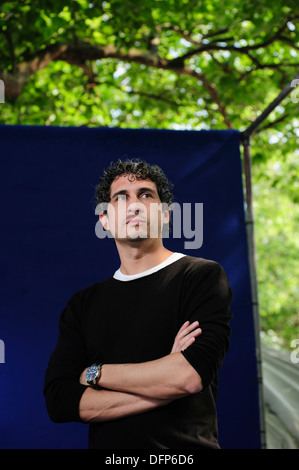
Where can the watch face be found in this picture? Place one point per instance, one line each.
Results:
(91, 373)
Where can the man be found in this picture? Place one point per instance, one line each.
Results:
(138, 354)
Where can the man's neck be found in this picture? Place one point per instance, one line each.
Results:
(137, 257)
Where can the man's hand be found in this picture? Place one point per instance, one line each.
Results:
(186, 336)
(145, 386)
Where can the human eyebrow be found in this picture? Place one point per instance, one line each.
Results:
(122, 191)
(146, 189)
(140, 191)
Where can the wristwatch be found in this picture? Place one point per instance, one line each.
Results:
(93, 374)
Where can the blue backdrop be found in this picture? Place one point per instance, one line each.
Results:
(49, 250)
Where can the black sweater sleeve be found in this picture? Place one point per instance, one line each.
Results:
(207, 299)
(62, 389)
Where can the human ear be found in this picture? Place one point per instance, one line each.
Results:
(104, 220)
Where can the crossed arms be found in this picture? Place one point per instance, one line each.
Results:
(129, 389)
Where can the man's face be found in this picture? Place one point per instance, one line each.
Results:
(135, 209)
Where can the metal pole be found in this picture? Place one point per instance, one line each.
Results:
(284, 92)
(249, 219)
(245, 139)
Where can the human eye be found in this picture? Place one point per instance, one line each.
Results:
(145, 195)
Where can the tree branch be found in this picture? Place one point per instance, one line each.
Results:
(10, 47)
(272, 124)
(14, 81)
(217, 46)
(82, 52)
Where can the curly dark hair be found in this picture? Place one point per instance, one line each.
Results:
(142, 171)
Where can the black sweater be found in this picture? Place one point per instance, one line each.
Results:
(116, 322)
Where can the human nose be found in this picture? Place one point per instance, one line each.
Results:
(135, 207)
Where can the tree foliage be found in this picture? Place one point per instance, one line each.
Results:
(176, 64)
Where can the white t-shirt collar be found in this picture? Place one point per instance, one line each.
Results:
(130, 277)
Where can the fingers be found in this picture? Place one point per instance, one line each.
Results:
(183, 326)
(186, 336)
(187, 329)
(187, 343)
(189, 339)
